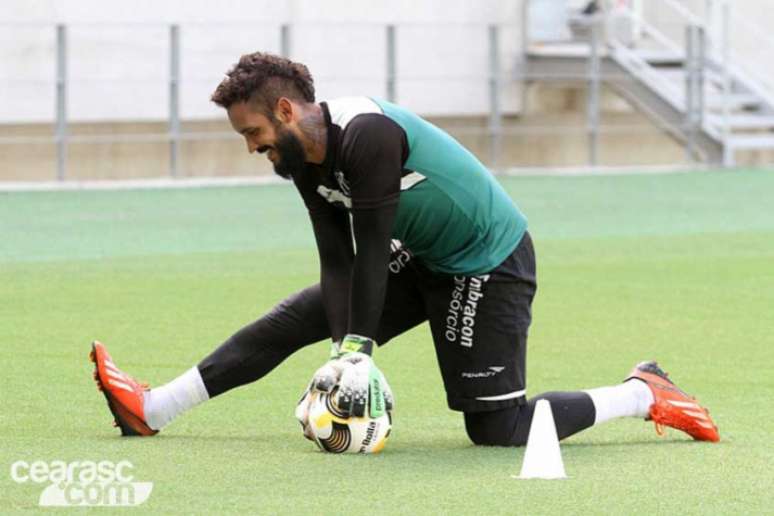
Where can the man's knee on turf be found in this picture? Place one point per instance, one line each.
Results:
(495, 428)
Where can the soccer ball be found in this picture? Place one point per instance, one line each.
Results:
(335, 433)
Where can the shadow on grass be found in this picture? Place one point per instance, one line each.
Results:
(179, 438)
(638, 442)
(416, 449)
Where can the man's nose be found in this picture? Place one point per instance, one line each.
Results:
(251, 146)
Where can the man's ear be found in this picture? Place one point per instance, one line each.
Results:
(284, 111)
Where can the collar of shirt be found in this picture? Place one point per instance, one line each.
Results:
(332, 145)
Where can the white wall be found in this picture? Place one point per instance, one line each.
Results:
(119, 52)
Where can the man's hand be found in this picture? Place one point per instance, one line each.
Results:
(358, 384)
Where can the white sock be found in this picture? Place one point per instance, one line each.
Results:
(632, 398)
(164, 403)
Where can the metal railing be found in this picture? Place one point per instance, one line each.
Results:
(702, 46)
(601, 43)
(175, 135)
(713, 44)
(688, 98)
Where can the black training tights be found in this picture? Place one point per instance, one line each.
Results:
(573, 412)
(298, 321)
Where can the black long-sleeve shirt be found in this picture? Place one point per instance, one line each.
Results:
(361, 177)
(398, 176)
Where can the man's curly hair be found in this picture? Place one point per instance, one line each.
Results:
(264, 78)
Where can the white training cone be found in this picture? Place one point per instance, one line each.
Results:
(542, 458)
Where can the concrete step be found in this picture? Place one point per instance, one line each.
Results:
(745, 121)
(677, 74)
(570, 49)
(735, 101)
(751, 142)
(660, 57)
(710, 85)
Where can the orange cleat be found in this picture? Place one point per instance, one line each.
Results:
(672, 407)
(124, 395)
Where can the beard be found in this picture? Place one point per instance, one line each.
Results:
(290, 152)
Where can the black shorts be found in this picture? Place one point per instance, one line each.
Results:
(479, 324)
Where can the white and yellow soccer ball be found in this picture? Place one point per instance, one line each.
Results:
(335, 433)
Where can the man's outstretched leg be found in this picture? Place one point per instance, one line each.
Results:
(250, 353)
(245, 357)
(647, 393)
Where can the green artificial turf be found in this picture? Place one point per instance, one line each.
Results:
(675, 267)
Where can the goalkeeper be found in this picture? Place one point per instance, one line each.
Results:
(410, 227)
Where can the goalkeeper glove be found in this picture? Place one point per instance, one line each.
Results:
(360, 387)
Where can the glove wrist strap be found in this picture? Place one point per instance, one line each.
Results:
(356, 344)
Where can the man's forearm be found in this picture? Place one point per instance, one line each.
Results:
(373, 228)
(334, 245)
(335, 284)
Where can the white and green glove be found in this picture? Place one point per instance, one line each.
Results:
(360, 387)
